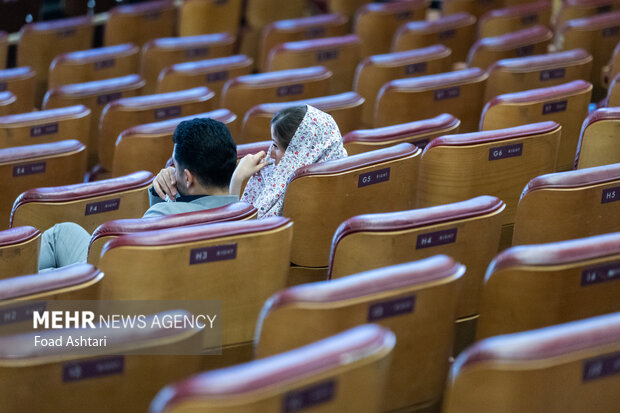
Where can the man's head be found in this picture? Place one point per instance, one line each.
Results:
(204, 156)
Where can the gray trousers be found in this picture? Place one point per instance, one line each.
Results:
(63, 244)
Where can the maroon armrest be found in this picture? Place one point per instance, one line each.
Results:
(391, 7)
(141, 8)
(388, 133)
(252, 148)
(16, 73)
(274, 371)
(26, 285)
(434, 81)
(279, 76)
(538, 62)
(88, 189)
(44, 115)
(593, 22)
(517, 10)
(57, 25)
(7, 97)
(574, 179)
(315, 44)
(556, 253)
(223, 63)
(305, 22)
(94, 55)
(444, 23)
(513, 39)
(194, 233)
(397, 58)
(17, 235)
(186, 42)
(200, 93)
(540, 94)
(231, 212)
(97, 87)
(361, 160)
(474, 138)
(19, 153)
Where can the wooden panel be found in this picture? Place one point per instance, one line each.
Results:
(20, 258)
(518, 17)
(21, 82)
(598, 144)
(209, 16)
(140, 23)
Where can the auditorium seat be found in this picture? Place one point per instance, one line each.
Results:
(342, 373)
(209, 16)
(370, 241)
(599, 35)
(8, 103)
(415, 300)
(474, 7)
(139, 23)
(19, 249)
(511, 19)
(242, 93)
(534, 286)
(459, 93)
(576, 9)
(94, 95)
(375, 71)
(30, 166)
(418, 133)
(345, 7)
(94, 64)
(132, 111)
(45, 126)
(210, 262)
(259, 13)
(88, 204)
(130, 154)
(384, 180)
(456, 31)
(40, 42)
(613, 94)
(238, 211)
(346, 109)
(613, 67)
(213, 73)
(568, 205)
(338, 54)
(158, 54)
(21, 82)
(498, 163)
(524, 73)
(599, 139)
(526, 42)
(376, 23)
(303, 28)
(72, 282)
(566, 104)
(74, 379)
(567, 368)
(4, 46)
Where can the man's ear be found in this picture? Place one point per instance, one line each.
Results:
(189, 178)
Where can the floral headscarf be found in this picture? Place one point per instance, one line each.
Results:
(316, 140)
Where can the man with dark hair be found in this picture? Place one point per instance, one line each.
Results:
(204, 159)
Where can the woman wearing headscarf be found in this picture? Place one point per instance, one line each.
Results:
(301, 135)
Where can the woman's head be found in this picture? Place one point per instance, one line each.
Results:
(283, 127)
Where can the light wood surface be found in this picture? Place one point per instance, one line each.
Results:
(209, 16)
(599, 144)
(21, 81)
(140, 23)
(20, 258)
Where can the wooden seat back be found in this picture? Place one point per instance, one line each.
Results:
(129, 152)
(338, 54)
(467, 231)
(598, 142)
(21, 82)
(569, 205)
(459, 93)
(40, 42)
(345, 108)
(30, 166)
(526, 42)
(259, 13)
(125, 113)
(418, 133)
(303, 28)
(45, 126)
(416, 301)
(376, 23)
(158, 54)
(94, 64)
(498, 163)
(613, 66)
(321, 196)
(345, 371)
(226, 253)
(19, 249)
(534, 286)
(474, 7)
(524, 73)
(577, 9)
(375, 71)
(511, 19)
(94, 95)
(456, 31)
(244, 92)
(577, 361)
(209, 16)
(87, 204)
(139, 23)
(613, 94)
(566, 104)
(346, 7)
(238, 211)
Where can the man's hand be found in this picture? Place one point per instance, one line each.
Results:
(166, 184)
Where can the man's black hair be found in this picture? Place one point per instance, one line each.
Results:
(205, 148)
